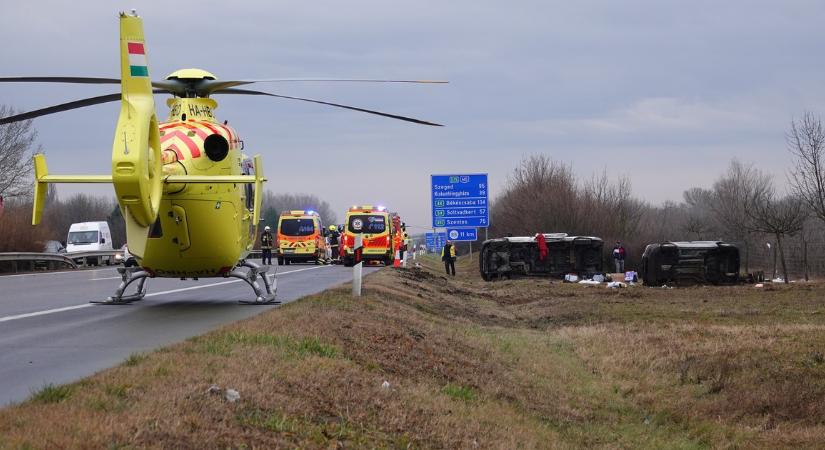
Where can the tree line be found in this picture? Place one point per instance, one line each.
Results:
(779, 233)
(18, 234)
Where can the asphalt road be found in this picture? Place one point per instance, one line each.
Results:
(50, 333)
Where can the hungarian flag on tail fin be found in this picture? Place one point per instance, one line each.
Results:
(137, 59)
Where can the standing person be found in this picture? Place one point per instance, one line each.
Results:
(333, 242)
(266, 246)
(618, 257)
(448, 256)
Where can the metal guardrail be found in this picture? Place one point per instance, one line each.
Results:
(28, 260)
(31, 261)
(93, 253)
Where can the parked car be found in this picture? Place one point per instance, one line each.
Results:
(53, 247)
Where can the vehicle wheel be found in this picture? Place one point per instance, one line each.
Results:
(286, 261)
(348, 262)
(280, 261)
(317, 262)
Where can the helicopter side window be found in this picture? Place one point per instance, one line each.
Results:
(249, 188)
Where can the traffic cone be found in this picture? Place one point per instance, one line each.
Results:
(397, 262)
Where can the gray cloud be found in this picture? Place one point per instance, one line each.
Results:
(666, 92)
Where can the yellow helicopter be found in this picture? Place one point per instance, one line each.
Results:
(190, 197)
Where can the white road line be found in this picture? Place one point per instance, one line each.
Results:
(105, 278)
(153, 294)
(43, 313)
(60, 272)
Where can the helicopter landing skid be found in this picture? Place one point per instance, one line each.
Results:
(263, 297)
(129, 275)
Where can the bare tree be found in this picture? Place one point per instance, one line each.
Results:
(779, 217)
(699, 219)
(541, 195)
(659, 223)
(18, 234)
(544, 195)
(16, 148)
(612, 210)
(731, 197)
(273, 204)
(59, 215)
(806, 142)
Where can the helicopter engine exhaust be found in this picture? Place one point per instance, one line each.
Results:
(216, 147)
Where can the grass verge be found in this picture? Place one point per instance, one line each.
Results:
(426, 361)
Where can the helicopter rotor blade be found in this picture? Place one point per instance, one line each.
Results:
(353, 108)
(170, 86)
(206, 87)
(77, 80)
(91, 101)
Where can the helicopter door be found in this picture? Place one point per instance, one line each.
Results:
(181, 230)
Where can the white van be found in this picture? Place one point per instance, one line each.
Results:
(90, 236)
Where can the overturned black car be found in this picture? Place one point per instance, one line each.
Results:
(692, 262)
(521, 256)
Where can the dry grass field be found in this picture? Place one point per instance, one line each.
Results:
(513, 364)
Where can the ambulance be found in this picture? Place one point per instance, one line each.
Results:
(300, 237)
(374, 224)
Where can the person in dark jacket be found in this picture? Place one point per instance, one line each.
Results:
(334, 237)
(618, 257)
(448, 256)
(266, 246)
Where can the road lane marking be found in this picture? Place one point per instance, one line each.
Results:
(153, 294)
(105, 278)
(43, 313)
(59, 272)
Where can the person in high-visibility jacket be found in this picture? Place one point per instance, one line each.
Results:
(405, 245)
(448, 256)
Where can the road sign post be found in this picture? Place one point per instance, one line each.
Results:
(357, 268)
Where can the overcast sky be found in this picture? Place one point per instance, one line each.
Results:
(666, 92)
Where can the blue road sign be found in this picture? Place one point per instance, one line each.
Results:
(435, 241)
(462, 234)
(460, 200)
